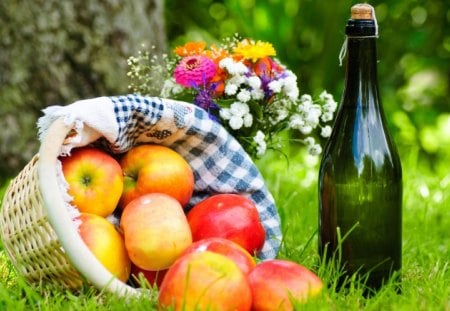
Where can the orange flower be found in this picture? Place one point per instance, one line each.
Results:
(190, 48)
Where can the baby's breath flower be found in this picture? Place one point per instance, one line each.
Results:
(244, 96)
(225, 113)
(325, 96)
(326, 131)
(275, 86)
(233, 68)
(236, 122)
(248, 120)
(231, 89)
(254, 82)
(296, 121)
(327, 116)
(257, 94)
(306, 98)
(239, 109)
(315, 149)
(261, 145)
(306, 129)
(309, 141)
(330, 105)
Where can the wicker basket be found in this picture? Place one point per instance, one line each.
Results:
(37, 230)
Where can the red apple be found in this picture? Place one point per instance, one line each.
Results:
(106, 243)
(274, 283)
(154, 278)
(156, 231)
(154, 168)
(225, 247)
(95, 180)
(205, 281)
(230, 216)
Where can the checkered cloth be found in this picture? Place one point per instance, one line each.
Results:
(219, 163)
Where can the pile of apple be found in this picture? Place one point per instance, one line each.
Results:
(202, 258)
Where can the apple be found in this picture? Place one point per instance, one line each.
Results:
(229, 216)
(152, 168)
(274, 283)
(225, 247)
(106, 243)
(156, 231)
(205, 281)
(154, 278)
(95, 180)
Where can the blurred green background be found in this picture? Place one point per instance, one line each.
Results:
(56, 52)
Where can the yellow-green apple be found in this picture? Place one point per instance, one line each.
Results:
(230, 249)
(229, 216)
(154, 278)
(156, 231)
(205, 281)
(95, 180)
(106, 243)
(276, 283)
(152, 168)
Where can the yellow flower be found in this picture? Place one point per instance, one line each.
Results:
(252, 50)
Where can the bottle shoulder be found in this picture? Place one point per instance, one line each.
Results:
(360, 144)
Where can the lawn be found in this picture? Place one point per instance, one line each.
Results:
(426, 240)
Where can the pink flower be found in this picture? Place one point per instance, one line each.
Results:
(195, 70)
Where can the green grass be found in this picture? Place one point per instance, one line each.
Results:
(426, 240)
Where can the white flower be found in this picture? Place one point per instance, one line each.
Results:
(306, 129)
(248, 120)
(305, 105)
(261, 145)
(293, 94)
(239, 109)
(244, 96)
(237, 79)
(312, 115)
(234, 68)
(226, 62)
(290, 84)
(330, 105)
(254, 82)
(326, 131)
(238, 115)
(309, 141)
(282, 113)
(231, 89)
(296, 121)
(306, 98)
(225, 113)
(257, 94)
(275, 86)
(236, 122)
(327, 116)
(325, 96)
(314, 149)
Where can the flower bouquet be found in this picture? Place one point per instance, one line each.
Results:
(241, 85)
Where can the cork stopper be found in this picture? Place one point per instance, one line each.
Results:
(362, 11)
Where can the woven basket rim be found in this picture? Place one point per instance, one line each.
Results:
(59, 218)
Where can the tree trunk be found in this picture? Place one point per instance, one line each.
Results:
(56, 52)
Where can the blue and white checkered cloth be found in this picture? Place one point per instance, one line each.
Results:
(219, 162)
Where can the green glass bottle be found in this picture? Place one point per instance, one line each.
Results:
(360, 177)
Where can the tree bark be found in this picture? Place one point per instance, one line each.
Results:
(56, 52)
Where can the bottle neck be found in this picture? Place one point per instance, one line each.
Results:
(361, 69)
